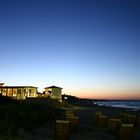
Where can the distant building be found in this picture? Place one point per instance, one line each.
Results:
(54, 92)
(18, 92)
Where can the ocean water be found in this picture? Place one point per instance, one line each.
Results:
(133, 105)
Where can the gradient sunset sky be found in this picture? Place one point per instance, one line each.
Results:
(90, 48)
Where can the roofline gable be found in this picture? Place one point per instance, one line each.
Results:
(53, 87)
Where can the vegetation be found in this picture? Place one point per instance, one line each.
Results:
(72, 100)
(26, 114)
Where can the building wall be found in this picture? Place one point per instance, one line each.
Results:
(56, 93)
(19, 93)
(47, 92)
(22, 93)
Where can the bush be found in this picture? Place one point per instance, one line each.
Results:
(27, 114)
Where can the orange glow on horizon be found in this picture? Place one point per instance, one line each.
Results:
(122, 95)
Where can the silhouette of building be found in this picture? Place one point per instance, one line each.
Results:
(54, 92)
(18, 92)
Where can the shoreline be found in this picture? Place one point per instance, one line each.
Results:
(108, 110)
(88, 128)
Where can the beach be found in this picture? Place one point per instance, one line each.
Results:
(87, 128)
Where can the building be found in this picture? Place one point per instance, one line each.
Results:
(23, 92)
(18, 92)
(54, 92)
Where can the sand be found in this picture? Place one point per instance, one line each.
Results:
(87, 129)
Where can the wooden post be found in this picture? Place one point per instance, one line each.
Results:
(61, 130)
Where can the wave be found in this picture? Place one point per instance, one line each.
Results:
(135, 105)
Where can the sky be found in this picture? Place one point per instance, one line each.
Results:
(90, 48)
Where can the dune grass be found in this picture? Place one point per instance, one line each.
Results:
(26, 114)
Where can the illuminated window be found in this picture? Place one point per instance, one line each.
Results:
(14, 92)
(9, 92)
(4, 92)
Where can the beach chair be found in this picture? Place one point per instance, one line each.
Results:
(138, 122)
(61, 130)
(102, 121)
(73, 122)
(113, 125)
(123, 117)
(96, 116)
(70, 113)
(125, 132)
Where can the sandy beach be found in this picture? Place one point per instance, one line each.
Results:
(87, 129)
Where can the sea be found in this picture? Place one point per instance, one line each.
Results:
(128, 104)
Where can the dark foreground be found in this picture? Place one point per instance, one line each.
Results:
(38, 121)
(87, 130)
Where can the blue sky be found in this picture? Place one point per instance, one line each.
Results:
(89, 47)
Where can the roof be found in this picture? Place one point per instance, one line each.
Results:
(18, 87)
(52, 87)
(1, 84)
